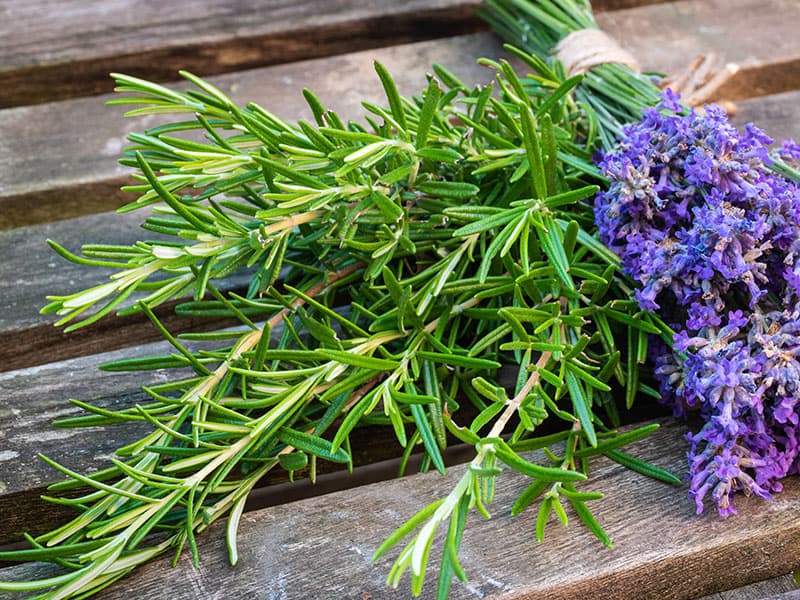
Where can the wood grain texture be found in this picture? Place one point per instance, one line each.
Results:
(757, 35)
(59, 160)
(321, 547)
(53, 50)
(792, 595)
(30, 400)
(771, 589)
(30, 271)
(778, 115)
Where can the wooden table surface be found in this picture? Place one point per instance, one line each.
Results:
(59, 179)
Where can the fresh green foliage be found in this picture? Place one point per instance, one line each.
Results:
(611, 95)
(394, 266)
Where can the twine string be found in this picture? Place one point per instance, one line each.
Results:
(586, 48)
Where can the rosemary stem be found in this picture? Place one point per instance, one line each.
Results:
(252, 338)
(360, 392)
(292, 221)
(513, 404)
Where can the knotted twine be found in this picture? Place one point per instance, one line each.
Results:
(586, 48)
(697, 84)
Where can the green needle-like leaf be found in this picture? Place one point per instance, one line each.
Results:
(313, 445)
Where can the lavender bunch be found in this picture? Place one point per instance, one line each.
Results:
(705, 219)
(711, 232)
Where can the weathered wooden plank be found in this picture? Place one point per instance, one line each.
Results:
(321, 547)
(51, 50)
(778, 115)
(29, 401)
(59, 160)
(758, 36)
(791, 595)
(772, 589)
(31, 271)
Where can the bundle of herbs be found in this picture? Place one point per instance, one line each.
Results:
(706, 220)
(394, 266)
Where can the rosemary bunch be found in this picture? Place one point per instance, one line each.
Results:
(612, 95)
(394, 265)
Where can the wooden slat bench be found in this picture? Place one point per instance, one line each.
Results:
(59, 179)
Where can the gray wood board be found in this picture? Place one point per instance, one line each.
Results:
(759, 36)
(31, 271)
(52, 50)
(783, 588)
(321, 547)
(791, 595)
(778, 114)
(30, 400)
(53, 156)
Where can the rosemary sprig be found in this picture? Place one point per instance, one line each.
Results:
(394, 266)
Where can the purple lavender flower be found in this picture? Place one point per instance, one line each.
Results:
(695, 213)
(719, 469)
(790, 151)
(712, 236)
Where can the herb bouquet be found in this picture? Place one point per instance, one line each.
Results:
(394, 265)
(706, 220)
